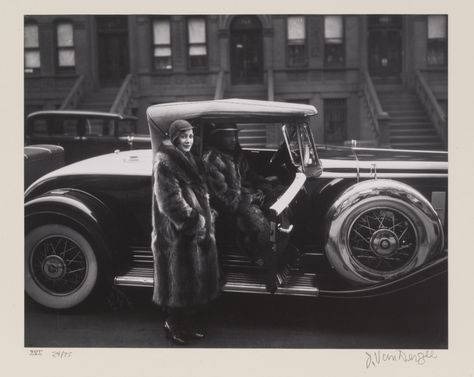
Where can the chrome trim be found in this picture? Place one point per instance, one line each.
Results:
(133, 281)
(399, 150)
(279, 206)
(287, 230)
(438, 201)
(330, 174)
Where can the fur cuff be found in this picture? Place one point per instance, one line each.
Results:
(191, 224)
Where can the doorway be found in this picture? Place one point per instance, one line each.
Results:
(112, 35)
(246, 50)
(385, 46)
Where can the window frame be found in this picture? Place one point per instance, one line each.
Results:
(157, 45)
(31, 70)
(304, 61)
(442, 41)
(343, 43)
(58, 49)
(325, 109)
(189, 44)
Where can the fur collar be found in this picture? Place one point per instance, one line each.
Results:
(183, 166)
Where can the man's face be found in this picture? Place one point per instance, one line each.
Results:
(227, 140)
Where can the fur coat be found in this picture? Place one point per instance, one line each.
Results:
(186, 265)
(226, 178)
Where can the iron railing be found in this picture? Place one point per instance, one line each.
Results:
(378, 118)
(432, 106)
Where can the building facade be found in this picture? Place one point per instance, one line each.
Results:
(378, 79)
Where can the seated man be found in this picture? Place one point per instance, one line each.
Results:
(232, 195)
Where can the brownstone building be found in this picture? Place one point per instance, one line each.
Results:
(379, 79)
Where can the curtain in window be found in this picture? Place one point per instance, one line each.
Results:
(296, 28)
(161, 32)
(333, 29)
(32, 54)
(196, 31)
(436, 27)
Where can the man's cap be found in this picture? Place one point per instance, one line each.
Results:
(223, 127)
(178, 126)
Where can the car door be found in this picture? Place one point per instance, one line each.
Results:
(303, 155)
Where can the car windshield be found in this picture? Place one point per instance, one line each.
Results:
(301, 148)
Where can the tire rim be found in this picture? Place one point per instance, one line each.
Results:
(383, 240)
(58, 265)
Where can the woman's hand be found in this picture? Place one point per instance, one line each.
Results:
(201, 229)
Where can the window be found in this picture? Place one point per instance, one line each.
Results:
(296, 33)
(161, 45)
(197, 49)
(334, 41)
(99, 127)
(335, 125)
(66, 58)
(437, 41)
(32, 52)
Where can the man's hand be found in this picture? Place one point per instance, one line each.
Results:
(258, 197)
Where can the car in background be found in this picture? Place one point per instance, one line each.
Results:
(84, 134)
(352, 222)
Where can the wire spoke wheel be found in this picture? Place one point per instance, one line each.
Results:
(383, 239)
(59, 265)
(381, 230)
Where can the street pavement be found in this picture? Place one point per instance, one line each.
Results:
(414, 319)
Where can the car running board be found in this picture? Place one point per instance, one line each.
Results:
(289, 283)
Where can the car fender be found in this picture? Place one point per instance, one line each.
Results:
(79, 209)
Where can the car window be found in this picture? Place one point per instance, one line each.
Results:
(99, 127)
(126, 127)
(69, 126)
(39, 127)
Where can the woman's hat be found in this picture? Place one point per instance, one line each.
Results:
(178, 126)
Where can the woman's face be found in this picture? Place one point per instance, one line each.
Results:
(185, 140)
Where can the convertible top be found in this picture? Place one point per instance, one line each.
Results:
(80, 113)
(160, 116)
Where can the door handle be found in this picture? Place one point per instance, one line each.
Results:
(285, 230)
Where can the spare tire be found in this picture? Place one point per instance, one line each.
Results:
(380, 230)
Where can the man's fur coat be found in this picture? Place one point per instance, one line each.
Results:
(226, 176)
(186, 265)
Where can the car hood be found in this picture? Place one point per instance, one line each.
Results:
(345, 161)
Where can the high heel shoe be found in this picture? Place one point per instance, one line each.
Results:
(195, 334)
(175, 337)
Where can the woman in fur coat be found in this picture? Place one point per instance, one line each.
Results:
(186, 268)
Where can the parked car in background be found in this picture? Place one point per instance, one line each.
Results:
(84, 134)
(41, 159)
(352, 222)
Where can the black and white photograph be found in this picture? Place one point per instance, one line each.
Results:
(263, 183)
(236, 181)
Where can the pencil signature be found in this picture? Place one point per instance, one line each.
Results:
(376, 358)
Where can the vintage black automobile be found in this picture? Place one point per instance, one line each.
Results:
(352, 222)
(84, 134)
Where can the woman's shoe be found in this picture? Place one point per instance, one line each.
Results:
(173, 335)
(195, 334)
